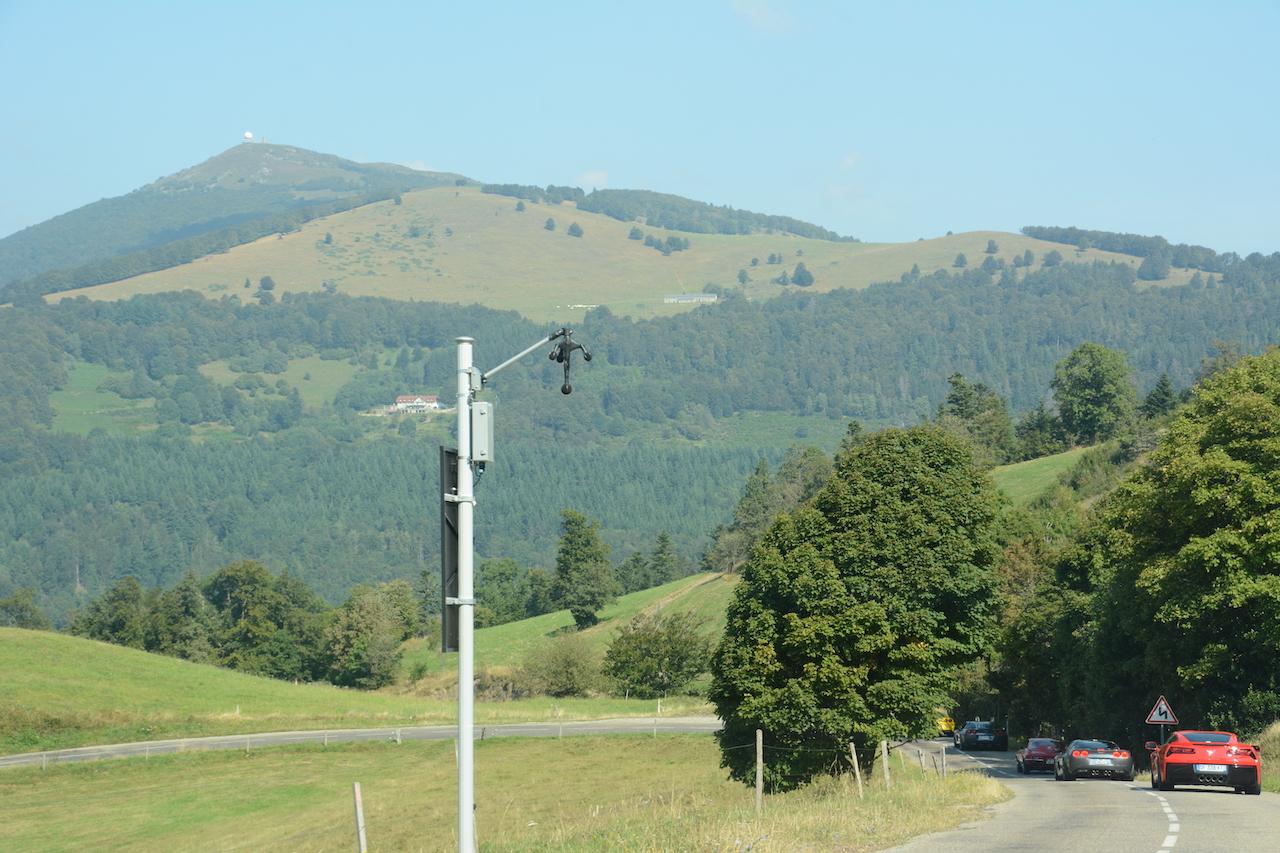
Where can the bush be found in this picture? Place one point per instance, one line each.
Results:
(653, 656)
(566, 666)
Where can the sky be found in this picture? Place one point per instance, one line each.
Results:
(883, 121)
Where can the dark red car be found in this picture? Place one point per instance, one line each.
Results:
(1206, 758)
(1038, 754)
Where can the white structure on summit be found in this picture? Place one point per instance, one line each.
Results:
(416, 403)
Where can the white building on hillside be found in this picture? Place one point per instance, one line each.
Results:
(415, 403)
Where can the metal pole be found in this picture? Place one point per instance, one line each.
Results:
(466, 606)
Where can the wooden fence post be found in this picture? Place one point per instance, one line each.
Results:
(884, 763)
(361, 847)
(857, 772)
(759, 771)
(944, 761)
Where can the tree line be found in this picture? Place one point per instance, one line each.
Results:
(245, 618)
(1166, 586)
(1180, 255)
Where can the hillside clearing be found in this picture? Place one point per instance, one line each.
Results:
(460, 245)
(1023, 482)
(588, 794)
(506, 646)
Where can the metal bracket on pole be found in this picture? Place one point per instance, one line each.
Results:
(455, 602)
(458, 499)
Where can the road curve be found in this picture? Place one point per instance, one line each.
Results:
(1046, 815)
(629, 725)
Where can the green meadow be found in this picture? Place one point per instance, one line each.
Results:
(60, 691)
(577, 794)
(318, 380)
(81, 408)
(1023, 482)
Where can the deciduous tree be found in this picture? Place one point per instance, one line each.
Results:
(854, 610)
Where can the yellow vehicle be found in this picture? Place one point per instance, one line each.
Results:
(946, 725)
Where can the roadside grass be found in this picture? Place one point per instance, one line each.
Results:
(507, 645)
(459, 245)
(1023, 482)
(1269, 740)
(578, 794)
(58, 691)
(80, 407)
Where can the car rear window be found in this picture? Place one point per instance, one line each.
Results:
(1093, 744)
(981, 726)
(1040, 741)
(1207, 737)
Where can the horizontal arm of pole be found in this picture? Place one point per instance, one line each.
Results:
(484, 377)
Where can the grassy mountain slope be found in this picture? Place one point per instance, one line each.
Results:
(505, 646)
(57, 690)
(456, 244)
(238, 186)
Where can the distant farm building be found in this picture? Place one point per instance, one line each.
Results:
(416, 403)
(685, 298)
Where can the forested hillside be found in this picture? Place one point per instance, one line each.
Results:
(653, 438)
(239, 195)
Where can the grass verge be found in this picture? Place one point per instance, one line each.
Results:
(1269, 740)
(581, 794)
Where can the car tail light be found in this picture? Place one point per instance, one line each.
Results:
(1241, 750)
(1120, 753)
(1181, 750)
(1079, 753)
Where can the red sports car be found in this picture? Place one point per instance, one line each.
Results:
(1038, 755)
(1206, 758)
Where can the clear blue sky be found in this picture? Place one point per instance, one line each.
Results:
(884, 121)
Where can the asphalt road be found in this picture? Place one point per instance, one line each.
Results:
(1099, 814)
(253, 741)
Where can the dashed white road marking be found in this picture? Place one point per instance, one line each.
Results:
(1171, 839)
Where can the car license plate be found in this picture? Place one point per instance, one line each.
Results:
(1211, 768)
(984, 737)
(1097, 761)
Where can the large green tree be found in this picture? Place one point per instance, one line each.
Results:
(1093, 387)
(118, 616)
(584, 578)
(855, 609)
(1187, 561)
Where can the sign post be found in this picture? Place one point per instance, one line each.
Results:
(1162, 715)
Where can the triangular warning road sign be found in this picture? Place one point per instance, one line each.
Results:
(1162, 714)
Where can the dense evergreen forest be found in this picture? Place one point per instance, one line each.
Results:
(241, 470)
